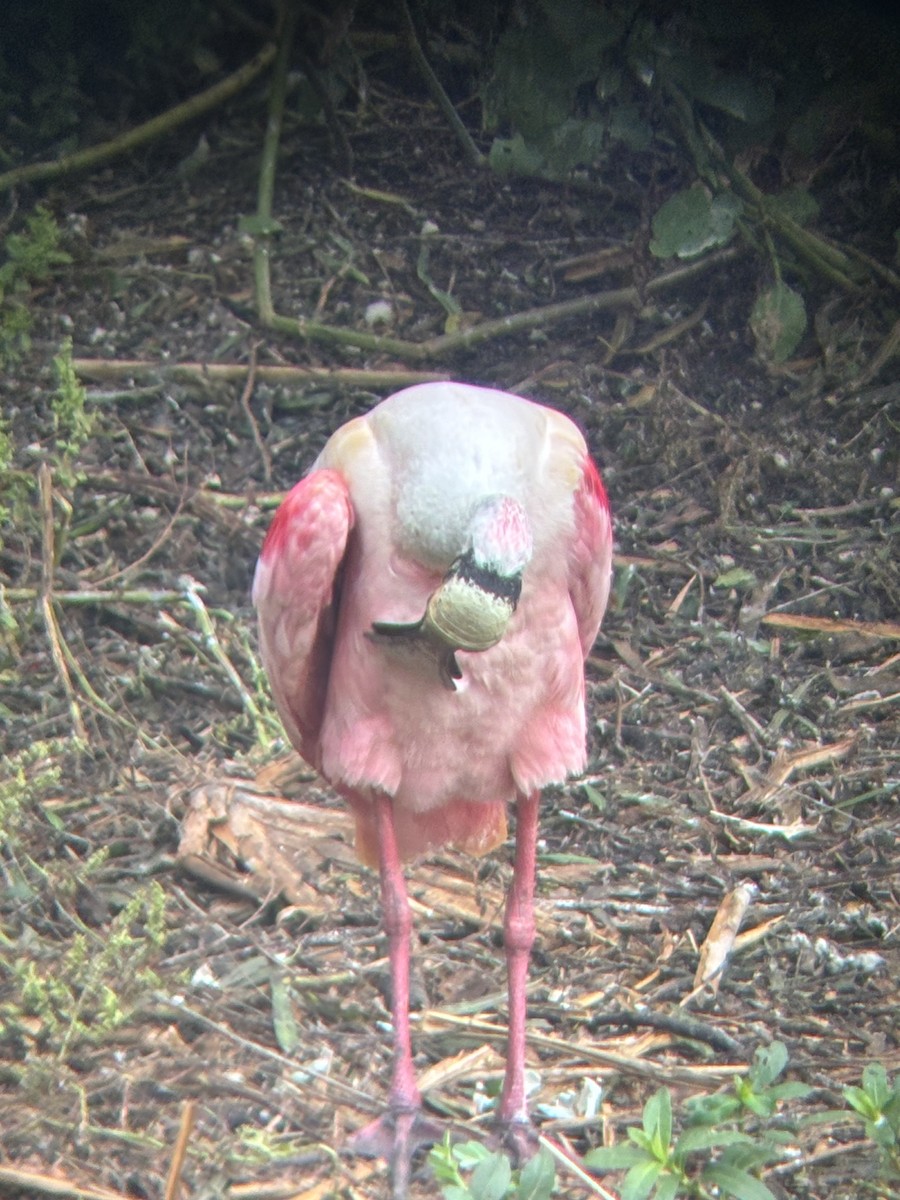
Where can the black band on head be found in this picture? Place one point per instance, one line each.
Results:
(504, 587)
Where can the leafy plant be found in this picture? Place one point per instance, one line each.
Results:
(691, 222)
(72, 423)
(877, 1103)
(757, 1092)
(29, 258)
(572, 80)
(491, 1175)
(26, 777)
(713, 1155)
(93, 988)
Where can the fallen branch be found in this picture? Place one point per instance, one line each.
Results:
(36, 1183)
(521, 322)
(83, 160)
(265, 226)
(103, 369)
(830, 625)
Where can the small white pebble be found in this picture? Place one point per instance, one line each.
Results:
(379, 312)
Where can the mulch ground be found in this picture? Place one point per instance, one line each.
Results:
(743, 691)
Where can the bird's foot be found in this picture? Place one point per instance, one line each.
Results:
(396, 1136)
(518, 1138)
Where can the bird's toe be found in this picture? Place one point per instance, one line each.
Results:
(519, 1139)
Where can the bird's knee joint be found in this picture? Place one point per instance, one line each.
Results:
(518, 932)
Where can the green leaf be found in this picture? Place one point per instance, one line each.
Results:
(615, 1158)
(667, 1188)
(735, 95)
(641, 1138)
(793, 1090)
(760, 1103)
(739, 98)
(470, 1154)
(860, 1101)
(875, 1084)
(657, 1121)
(768, 1063)
(512, 156)
(259, 226)
(640, 1180)
(701, 1137)
(796, 203)
(712, 1110)
(690, 223)
(748, 1156)
(737, 577)
(627, 124)
(881, 1132)
(737, 1183)
(287, 1032)
(778, 322)
(491, 1178)
(442, 1162)
(537, 1179)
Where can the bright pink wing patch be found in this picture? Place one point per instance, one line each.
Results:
(590, 556)
(296, 592)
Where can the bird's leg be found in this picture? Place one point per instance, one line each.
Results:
(518, 931)
(397, 1135)
(398, 927)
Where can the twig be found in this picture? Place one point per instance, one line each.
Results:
(294, 1069)
(521, 322)
(790, 833)
(830, 626)
(102, 369)
(173, 1180)
(750, 724)
(166, 122)
(54, 635)
(35, 1183)
(573, 1167)
(433, 348)
(246, 393)
(98, 596)
(694, 1076)
(680, 1026)
(211, 641)
(157, 543)
(473, 155)
(266, 190)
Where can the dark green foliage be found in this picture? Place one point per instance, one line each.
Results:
(29, 258)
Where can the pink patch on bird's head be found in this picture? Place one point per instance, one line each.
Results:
(500, 535)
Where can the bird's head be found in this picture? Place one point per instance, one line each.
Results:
(477, 597)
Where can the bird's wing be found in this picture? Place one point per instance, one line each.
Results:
(590, 554)
(296, 591)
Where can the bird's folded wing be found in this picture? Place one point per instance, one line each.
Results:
(590, 555)
(296, 592)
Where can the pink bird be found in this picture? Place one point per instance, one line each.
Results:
(427, 595)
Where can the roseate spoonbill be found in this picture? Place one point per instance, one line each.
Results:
(427, 595)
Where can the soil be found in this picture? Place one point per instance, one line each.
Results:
(742, 693)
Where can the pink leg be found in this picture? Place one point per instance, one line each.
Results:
(398, 1134)
(518, 933)
(398, 927)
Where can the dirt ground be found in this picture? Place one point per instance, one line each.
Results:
(743, 691)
